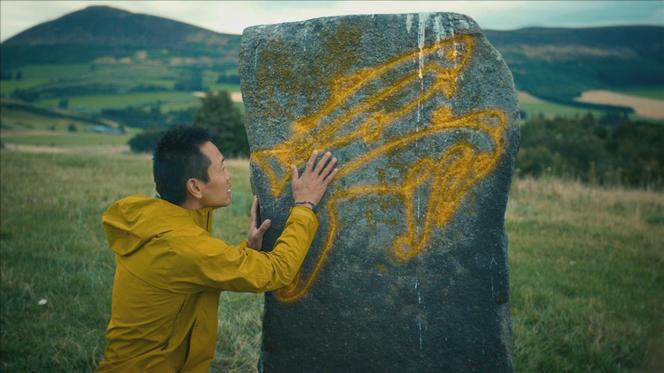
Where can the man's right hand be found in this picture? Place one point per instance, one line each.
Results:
(311, 186)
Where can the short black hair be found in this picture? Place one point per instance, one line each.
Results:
(177, 158)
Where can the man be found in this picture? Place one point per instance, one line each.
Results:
(170, 270)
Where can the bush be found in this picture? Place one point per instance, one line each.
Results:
(228, 79)
(146, 141)
(610, 149)
(189, 80)
(219, 114)
(149, 118)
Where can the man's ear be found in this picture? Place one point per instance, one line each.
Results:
(194, 188)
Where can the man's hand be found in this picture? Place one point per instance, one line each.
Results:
(314, 181)
(255, 236)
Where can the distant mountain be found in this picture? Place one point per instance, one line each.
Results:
(102, 25)
(97, 31)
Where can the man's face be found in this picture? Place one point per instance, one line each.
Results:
(217, 191)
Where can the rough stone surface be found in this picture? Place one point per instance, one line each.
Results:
(408, 271)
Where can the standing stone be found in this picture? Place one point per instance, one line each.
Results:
(408, 271)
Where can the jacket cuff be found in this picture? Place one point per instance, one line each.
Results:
(304, 213)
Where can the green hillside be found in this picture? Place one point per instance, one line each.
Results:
(100, 31)
(558, 63)
(101, 58)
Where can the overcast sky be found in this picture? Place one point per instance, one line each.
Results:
(232, 17)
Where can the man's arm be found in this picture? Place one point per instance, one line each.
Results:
(213, 264)
(217, 265)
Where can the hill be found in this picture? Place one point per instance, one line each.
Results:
(101, 31)
(105, 58)
(560, 63)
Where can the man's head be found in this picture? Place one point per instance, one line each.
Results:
(189, 170)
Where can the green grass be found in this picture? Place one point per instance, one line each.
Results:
(534, 106)
(53, 248)
(23, 120)
(8, 86)
(176, 106)
(26, 128)
(48, 72)
(550, 109)
(646, 92)
(36, 75)
(587, 276)
(64, 139)
(223, 87)
(586, 268)
(93, 104)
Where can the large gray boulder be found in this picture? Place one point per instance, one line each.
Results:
(408, 271)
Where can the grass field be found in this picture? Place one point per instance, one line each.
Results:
(12, 119)
(646, 92)
(64, 139)
(534, 106)
(122, 76)
(22, 128)
(94, 104)
(35, 75)
(586, 268)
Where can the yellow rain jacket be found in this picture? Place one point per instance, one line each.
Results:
(169, 272)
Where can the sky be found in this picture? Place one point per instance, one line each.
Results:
(233, 16)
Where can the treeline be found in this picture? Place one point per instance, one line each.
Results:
(149, 117)
(217, 112)
(610, 149)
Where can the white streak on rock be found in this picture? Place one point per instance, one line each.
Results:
(419, 329)
(421, 38)
(421, 35)
(409, 22)
(438, 28)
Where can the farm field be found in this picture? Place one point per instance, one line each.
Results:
(587, 272)
(646, 107)
(95, 103)
(534, 106)
(124, 78)
(64, 139)
(22, 129)
(22, 120)
(89, 88)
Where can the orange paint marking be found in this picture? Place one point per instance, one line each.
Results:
(451, 175)
(306, 136)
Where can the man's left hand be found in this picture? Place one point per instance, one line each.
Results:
(255, 236)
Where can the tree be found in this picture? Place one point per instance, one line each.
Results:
(63, 104)
(146, 141)
(219, 114)
(189, 80)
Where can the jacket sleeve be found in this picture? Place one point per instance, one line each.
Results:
(213, 264)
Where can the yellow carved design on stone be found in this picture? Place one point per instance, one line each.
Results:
(457, 169)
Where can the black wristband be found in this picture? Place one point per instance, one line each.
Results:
(311, 204)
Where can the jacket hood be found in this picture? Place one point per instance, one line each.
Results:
(133, 221)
